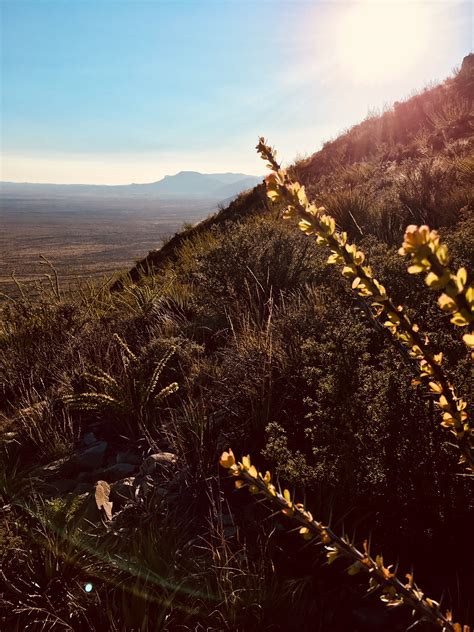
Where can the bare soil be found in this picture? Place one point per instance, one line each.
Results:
(85, 237)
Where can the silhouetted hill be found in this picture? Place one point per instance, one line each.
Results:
(191, 184)
(184, 185)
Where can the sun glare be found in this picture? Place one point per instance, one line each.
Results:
(378, 39)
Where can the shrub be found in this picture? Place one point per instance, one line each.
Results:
(251, 266)
(133, 399)
(428, 256)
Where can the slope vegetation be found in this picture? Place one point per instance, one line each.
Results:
(411, 164)
(116, 405)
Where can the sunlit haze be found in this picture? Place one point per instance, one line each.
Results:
(380, 39)
(125, 91)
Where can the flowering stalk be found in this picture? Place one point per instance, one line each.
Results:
(394, 592)
(315, 221)
(430, 256)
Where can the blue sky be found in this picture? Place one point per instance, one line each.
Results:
(115, 91)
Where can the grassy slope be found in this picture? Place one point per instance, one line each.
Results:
(274, 357)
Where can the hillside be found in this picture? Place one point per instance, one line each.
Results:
(116, 404)
(411, 164)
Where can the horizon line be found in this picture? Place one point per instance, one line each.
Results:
(92, 184)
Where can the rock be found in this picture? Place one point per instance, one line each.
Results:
(63, 486)
(88, 477)
(89, 459)
(163, 461)
(87, 512)
(52, 470)
(111, 473)
(123, 491)
(102, 492)
(82, 488)
(128, 457)
(158, 493)
(89, 439)
(116, 472)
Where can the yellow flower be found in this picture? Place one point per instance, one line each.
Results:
(446, 303)
(332, 554)
(415, 238)
(306, 533)
(252, 471)
(227, 459)
(469, 339)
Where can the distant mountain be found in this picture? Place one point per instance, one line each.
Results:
(183, 185)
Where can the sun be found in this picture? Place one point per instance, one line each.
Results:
(378, 39)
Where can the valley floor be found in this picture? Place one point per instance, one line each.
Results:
(84, 237)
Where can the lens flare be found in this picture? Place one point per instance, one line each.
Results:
(382, 40)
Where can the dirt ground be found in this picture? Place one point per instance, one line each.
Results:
(84, 237)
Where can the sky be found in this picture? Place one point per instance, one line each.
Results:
(119, 91)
